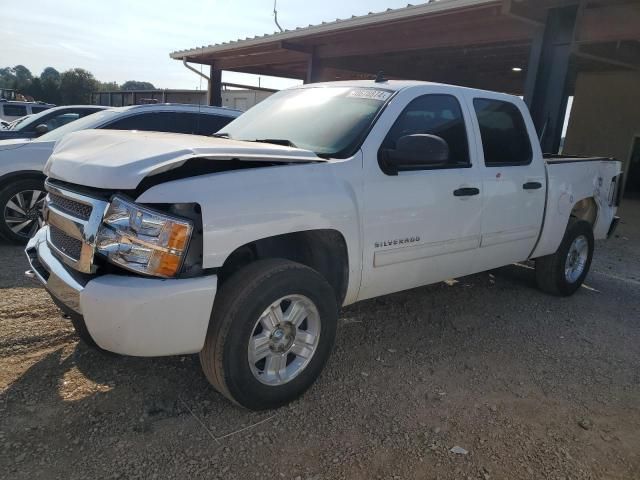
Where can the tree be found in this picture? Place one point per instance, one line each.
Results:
(50, 85)
(7, 77)
(34, 90)
(136, 85)
(23, 78)
(108, 86)
(76, 86)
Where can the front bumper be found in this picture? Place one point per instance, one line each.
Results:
(128, 314)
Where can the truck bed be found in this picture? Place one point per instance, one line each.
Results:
(552, 158)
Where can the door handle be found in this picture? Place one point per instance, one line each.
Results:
(466, 192)
(532, 186)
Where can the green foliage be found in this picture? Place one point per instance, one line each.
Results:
(108, 86)
(76, 86)
(71, 87)
(136, 85)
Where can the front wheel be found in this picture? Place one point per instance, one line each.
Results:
(563, 272)
(271, 332)
(21, 203)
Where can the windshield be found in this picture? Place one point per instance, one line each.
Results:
(24, 123)
(19, 121)
(90, 121)
(329, 121)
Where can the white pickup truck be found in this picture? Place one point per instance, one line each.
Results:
(242, 248)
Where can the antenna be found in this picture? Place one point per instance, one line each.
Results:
(275, 14)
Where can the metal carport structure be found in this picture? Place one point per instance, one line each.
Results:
(534, 48)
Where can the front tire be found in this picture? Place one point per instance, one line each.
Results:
(271, 332)
(21, 204)
(564, 272)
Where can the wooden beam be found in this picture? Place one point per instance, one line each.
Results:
(267, 58)
(609, 23)
(296, 47)
(495, 30)
(614, 54)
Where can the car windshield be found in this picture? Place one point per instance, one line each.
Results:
(19, 122)
(30, 121)
(90, 121)
(329, 121)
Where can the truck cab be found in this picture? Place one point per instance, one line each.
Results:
(242, 247)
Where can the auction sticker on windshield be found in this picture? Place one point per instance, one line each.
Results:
(370, 93)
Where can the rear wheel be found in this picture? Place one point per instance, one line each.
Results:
(271, 332)
(21, 205)
(564, 272)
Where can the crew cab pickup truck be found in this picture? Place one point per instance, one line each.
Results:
(243, 247)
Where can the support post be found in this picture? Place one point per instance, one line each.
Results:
(313, 68)
(214, 92)
(548, 76)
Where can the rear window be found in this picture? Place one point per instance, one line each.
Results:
(14, 110)
(505, 139)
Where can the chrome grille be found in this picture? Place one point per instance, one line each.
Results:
(73, 220)
(72, 247)
(77, 209)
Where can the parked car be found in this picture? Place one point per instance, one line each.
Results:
(38, 124)
(22, 160)
(12, 110)
(318, 197)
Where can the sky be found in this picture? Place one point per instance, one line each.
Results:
(131, 40)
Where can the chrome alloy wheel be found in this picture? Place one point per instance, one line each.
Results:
(23, 212)
(284, 339)
(576, 259)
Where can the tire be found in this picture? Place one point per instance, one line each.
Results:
(238, 316)
(13, 215)
(551, 271)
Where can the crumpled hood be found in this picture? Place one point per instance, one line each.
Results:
(122, 159)
(12, 143)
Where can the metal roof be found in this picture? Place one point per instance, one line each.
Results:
(431, 7)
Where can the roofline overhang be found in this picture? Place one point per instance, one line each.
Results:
(335, 26)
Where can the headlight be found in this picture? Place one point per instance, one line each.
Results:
(143, 240)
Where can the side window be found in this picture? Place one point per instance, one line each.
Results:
(15, 110)
(434, 114)
(210, 124)
(38, 109)
(61, 119)
(505, 140)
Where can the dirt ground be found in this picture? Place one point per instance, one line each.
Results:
(530, 386)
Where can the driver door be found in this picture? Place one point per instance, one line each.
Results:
(422, 225)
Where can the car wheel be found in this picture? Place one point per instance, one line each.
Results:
(563, 272)
(271, 332)
(21, 205)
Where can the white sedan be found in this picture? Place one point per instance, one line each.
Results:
(22, 160)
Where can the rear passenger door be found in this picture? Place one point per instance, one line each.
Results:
(513, 180)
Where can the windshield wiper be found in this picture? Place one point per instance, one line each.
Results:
(276, 141)
(220, 135)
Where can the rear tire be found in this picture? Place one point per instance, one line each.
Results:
(271, 332)
(564, 272)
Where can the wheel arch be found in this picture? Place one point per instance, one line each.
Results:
(324, 250)
(584, 209)
(20, 174)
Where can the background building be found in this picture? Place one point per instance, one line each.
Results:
(240, 99)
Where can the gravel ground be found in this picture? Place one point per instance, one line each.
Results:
(526, 385)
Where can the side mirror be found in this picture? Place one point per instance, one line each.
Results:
(417, 151)
(41, 129)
